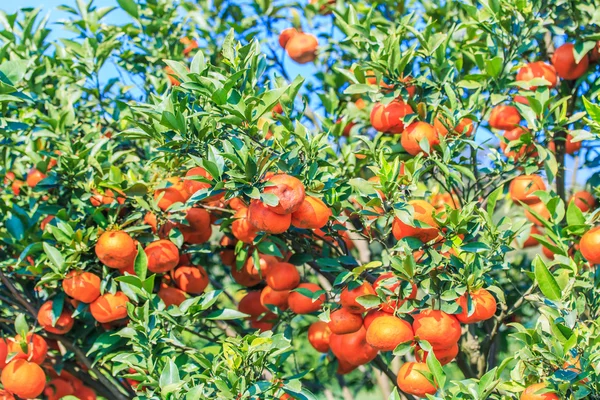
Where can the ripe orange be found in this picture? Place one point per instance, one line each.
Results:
(116, 249)
(540, 208)
(275, 298)
(37, 348)
(531, 241)
(171, 75)
(564, 63)
(415, 133)
(191, 186)
(193, 280)
(538, 69)
(64, 323)
(286, 35)
(571, 147)
(312, 214)
(504, 117)
(440, 200)
(85, 393)
(162, 255)
(319, 335)
(241, 228)
(589, 245)
(175, 193)
(265, 263)
(348, 297)
(250, 304)
(150, 219)
(584, 200)
(465, 126)
(34, 177)
(443, 355)
(4, 395)
(302, 47)
(198, 230)
(289, 190)
(389, 118)
(484, 305)
(82, 286)
(423, 214)
(522, 188)
(190, 44)
(301, 304)
(283, 276)
(517, 151)
(109, 307)
(353, 347)
(108, 197)
(245, 278)
(262, 218)
(412, 381)
(384, 281)
(3, 352)
(343, 321)
(531, 393)
(25, 379)
(441, 330)
(387, 332)
(171, 296)
(371, 315)
(344, 367)
(56, 389)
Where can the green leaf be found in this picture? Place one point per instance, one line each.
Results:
(54, 256)
(592, 109)
(21, 326)
(436, 369)
(169, 378)
(545, 280)
(140, 265)
(226, 314)
(494, 66)
(574, 215)
(130, 7)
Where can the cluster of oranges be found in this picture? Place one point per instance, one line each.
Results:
(25, 366)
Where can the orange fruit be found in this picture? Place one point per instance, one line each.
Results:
(245, 278)
(440, 200)
(540, 208)
(193, 280)
(198, 229)
(571, 147)
(319, 335)
(63, 324)
(589, 245)
(532, 393)
(171, 296)
(523, 187)
(286, 35)
(531, 241)
(302, 47)
(538, 69)
(564, 63)
(265, 263)
(108, 197)
(275, 298)
(301, 304)
(85, 393)
(441, 330)
(584, 200)
(344, 367)
(24, 379)
(465, 126)
(387, 332)
(174, 193)
(283, 276)
(517, 151)
(289, 191)
(389, 118)
(3, 352)
(56, 389)
(262, 218)
(82, 286)
(504, 117)
(4, 395)
(484, 305)
(34, 177)
(348, 297)
(171, 75)
(162, 255)
(46, 221)
(190, 44)
(241, 227)
(443, 355)
(371, 315)
(116, 249)
(574, 364)
(109, 307)
(343, 321)
(191, 186)
(384, 281)
(37, 348)
(312, 214)
(250, 304)
(412, 381)
(150, 219)
(423, 214)
(417, 132)
(353, 347)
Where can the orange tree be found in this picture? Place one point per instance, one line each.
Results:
(274, 200)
